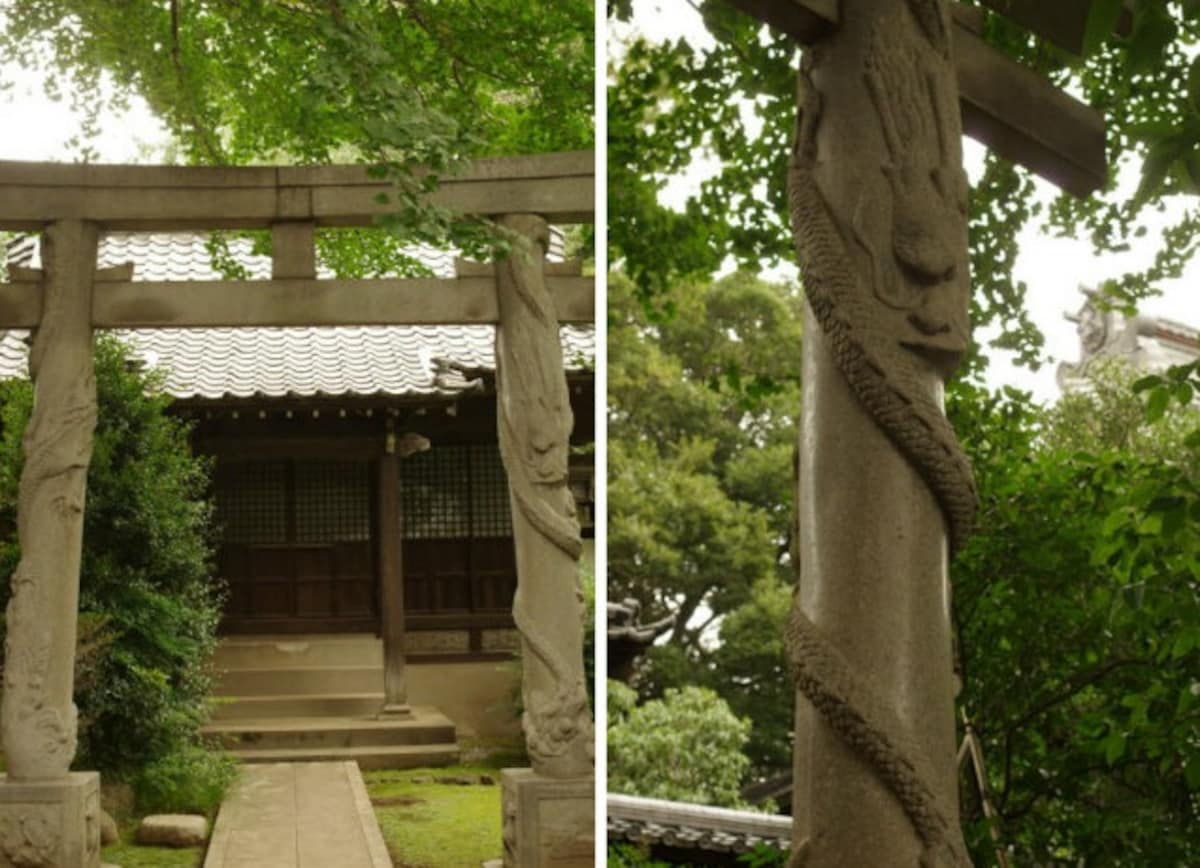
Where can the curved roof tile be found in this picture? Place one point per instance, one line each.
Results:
(222, 363)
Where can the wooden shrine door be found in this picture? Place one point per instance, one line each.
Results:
(297, 545)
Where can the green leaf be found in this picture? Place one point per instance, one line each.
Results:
(1191, 773)
(1184, 393)
(1115, 520)
(1114, 747)
(1157, 404)
(1151, 525)
(1101, 21)
(1147, 382)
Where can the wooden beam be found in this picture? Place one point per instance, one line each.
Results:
(471, 268)
(1026, 119)
(295, 302)
(806, 21)
(391, 582)
(258, 448)
(1009, 108)
(561, 187)
(293, 253)
(21, 300)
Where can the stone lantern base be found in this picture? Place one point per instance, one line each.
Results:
(548, 822)
(50, 824)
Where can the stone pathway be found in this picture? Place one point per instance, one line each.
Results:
(297, 815)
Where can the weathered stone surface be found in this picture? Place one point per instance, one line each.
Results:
(38, 714)
(173, 830)
(534, 424)
(50, 824)
(116, 798)
(878, 199)
(547, 822)
(108, 829)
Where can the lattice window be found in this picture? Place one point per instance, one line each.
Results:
(252, 501)
(332, 501)
(455, 492)
(491, 510)
(435, 494)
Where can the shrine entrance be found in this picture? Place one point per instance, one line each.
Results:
(313, 537)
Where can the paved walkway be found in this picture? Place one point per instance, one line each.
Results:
(297, 815)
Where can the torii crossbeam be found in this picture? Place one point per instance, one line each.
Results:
(885, 494)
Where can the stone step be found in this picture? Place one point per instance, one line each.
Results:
(308, 680)
(376, 757)
(234, 708)
(426, 727)
(264, 652)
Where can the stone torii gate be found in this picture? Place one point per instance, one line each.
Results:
(878, 203)
(48, 815)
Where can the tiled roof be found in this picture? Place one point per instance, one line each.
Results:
(678, 824)
(229, 363)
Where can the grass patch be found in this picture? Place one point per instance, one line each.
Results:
(134, 856)
(498, 753)
(428, 824)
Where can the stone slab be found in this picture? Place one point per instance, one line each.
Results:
(50, 824)
(173, 830)
(548, 822)
(298, 815)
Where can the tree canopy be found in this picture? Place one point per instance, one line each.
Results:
(671, 101)
(1078, 610)
(411, 87)
(1077, 603)
(702, 414)
(686, 746)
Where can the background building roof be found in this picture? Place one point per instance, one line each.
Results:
(1147, 344)
(342, 361)
(653, 822)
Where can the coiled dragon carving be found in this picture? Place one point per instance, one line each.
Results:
(891, 322)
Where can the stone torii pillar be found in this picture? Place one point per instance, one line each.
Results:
(49, 817)
(547, 810)
(878, 202)
(881, 232)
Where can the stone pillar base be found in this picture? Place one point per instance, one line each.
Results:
(548, 822)
(50, 824)
(395, 711)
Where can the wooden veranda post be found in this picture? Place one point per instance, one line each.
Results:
(38, 713)
(878, 203)
(391, 583)
(548, 809)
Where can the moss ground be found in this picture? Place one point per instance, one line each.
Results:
(428, 824)
(132, 856)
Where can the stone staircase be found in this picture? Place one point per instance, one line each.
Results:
(314, 698)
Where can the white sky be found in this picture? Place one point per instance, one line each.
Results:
(37, 129)
(1053, 268)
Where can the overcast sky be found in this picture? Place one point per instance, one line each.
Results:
(37, 129)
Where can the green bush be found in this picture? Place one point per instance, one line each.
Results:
(189, 780)
(148, 604)
(687, 746)
(624, 855)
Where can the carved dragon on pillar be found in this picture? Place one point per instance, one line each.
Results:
(888, 325)
(39, 717)
(535, 423)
